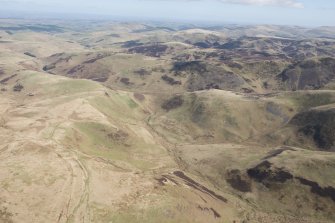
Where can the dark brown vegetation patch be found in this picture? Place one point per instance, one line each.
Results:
(98, 57)
(247, 90)
(239, 182)
(101, 79)
(268, 175)
(119, 136)
(189, 66)
(29, 54)
(49, 67)
(170, 80)
(125, 80)
(131, 43)
(214, 78)
(319, 125)
(18, 87)
(203, 45)
(139, 96)
(155, 50)
(233, 44)
(173, 103)
(233, 64)
(215, 213)
(317, 189)
(277, 152)
(5, 80)
(142, 72)
(74, 69)
(190, 182)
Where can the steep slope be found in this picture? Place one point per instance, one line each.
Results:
(309, 74)
(318, 125)
(219, 116)
(312, 124)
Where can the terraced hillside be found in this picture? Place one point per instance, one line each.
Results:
(122, 122)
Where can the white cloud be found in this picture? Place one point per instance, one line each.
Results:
(281, 3)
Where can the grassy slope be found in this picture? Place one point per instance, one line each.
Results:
(219, 116)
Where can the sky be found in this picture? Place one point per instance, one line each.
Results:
(282, 12)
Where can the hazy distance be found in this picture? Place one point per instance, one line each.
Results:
(282, 12)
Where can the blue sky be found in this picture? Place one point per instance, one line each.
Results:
(292, 12)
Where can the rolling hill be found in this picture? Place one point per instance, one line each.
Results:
(126, 122)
